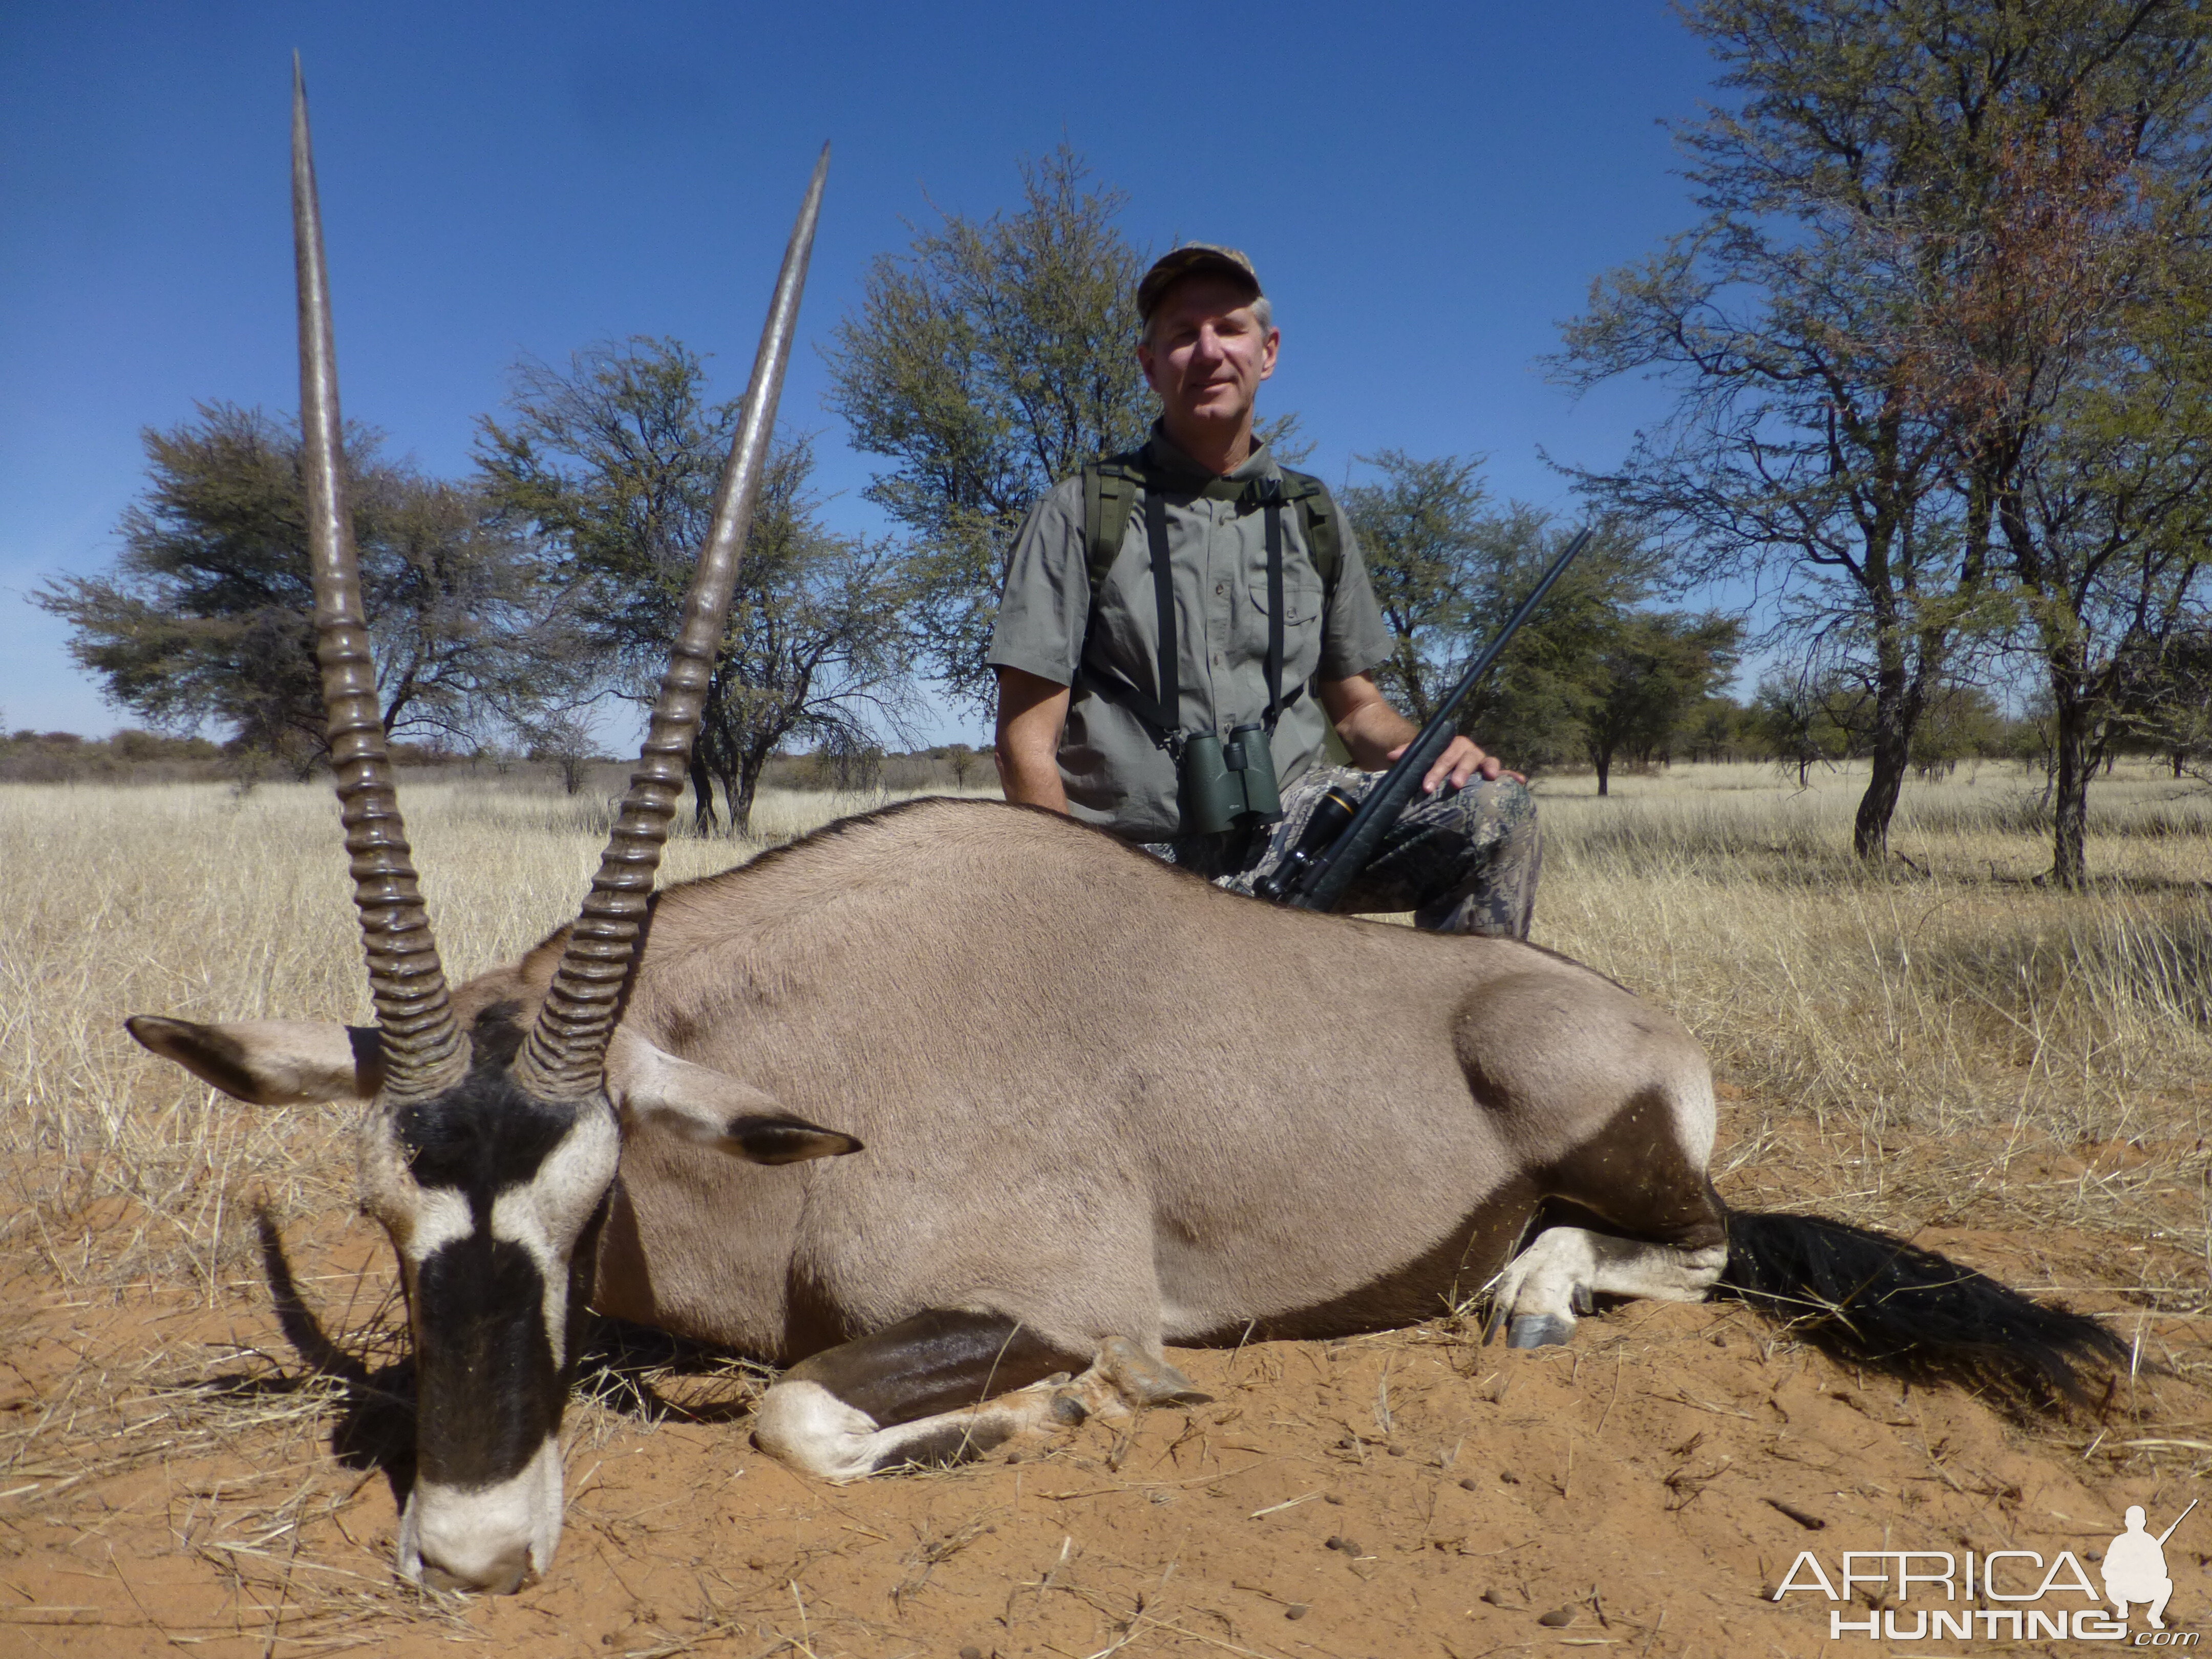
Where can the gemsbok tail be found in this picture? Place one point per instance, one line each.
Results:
(1872, 1300)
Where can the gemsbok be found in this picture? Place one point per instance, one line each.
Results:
(962, 1110)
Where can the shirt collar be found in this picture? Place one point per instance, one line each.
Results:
(1168, 455)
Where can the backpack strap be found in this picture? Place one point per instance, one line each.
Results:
(1110, 501)
(1109, 498)
(1317, 511)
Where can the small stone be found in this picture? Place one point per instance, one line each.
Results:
(756, 1563)
(1332, 1498)
(1557, 1619)
(1340, 1542)
(1509, 1477)
(1469, 1483)
(971, 1651)
(1296, 1610)
(607, 1640)
(1397, 1451)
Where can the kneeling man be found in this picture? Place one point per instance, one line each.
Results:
(1172, 612)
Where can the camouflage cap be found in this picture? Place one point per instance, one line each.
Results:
(1189, 260)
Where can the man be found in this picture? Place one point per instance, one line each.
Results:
(2135, 1568)
(1226, 559)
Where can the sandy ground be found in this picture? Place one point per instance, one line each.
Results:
(1410, 1493)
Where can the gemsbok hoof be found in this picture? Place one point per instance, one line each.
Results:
(1539, 1331)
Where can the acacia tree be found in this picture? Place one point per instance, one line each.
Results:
(206, 616)
(614, 461)
(2071, 365)
(1801, 449)
(989, 361)
(1421, 531)
(1448, 568)
(1646, 676)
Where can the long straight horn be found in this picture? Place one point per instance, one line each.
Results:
(422, 1049)
(568, 1044)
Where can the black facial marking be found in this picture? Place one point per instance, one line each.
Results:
(485, 1135)
(488, 1390)
(937, 1361)
(787, 1140)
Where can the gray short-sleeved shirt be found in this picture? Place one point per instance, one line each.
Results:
(1116, 775)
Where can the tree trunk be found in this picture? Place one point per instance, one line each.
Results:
(1892, 749)
(1603, 759)
(2071, 717)
(1899, 695)
(702, 789)
(750, 764)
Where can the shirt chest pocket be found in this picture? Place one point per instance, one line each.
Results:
(1302, 597)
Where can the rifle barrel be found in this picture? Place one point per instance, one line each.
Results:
(1333, 871)
(2178, 1520)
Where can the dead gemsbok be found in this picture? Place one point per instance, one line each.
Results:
(963, 1110)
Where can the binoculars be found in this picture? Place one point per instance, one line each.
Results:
(1225, 786)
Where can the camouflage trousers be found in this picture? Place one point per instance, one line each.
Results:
(1462, 860)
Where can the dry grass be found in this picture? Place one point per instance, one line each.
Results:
(1936, 1043)
(1957, 1045)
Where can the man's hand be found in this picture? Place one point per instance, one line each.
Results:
(1376, 734)
(1460, 761)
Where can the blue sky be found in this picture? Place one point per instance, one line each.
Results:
(1427, 192)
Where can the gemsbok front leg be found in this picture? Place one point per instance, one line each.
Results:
(944, 1387)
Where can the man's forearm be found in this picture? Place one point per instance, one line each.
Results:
(1023, 779)
(1031, 712)
(1372, 730)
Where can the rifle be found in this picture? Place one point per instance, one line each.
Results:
(1341, 838)
(2178, 1520)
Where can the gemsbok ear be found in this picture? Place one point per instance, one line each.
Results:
(271, 1062)
(652, 1088)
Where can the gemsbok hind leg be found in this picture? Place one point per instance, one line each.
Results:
(1659, 1230)
(946, 1387)
(1547, 1285)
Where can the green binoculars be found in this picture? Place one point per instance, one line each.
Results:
(1226, 784)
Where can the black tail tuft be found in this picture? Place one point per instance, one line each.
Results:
(1872, 1300)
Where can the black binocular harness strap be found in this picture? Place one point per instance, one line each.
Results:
(1162, 713)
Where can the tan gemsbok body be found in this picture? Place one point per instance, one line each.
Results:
(963, 1110)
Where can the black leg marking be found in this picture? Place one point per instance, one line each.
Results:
(1636, 1177)
(944, 1448)
(936, 1361)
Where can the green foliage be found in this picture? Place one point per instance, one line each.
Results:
(1648, 672)
(1448, 570)
(1431, 554)
(614, 463)
(1961, 722)
(206, 614)
(991, 359)
(1794, 722)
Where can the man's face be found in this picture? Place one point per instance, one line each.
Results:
(1206, 355)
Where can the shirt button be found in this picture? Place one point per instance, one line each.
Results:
(1220, 589)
